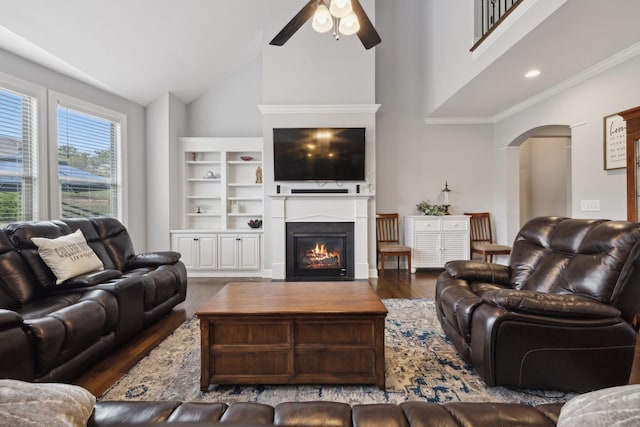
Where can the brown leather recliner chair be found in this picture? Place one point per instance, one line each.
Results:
(559, 316)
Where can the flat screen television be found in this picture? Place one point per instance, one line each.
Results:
(319, 154)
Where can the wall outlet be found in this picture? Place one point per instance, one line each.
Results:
(590, 205)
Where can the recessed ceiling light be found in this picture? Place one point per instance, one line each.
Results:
(532, 73)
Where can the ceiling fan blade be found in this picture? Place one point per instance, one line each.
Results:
(295, 24)
(367, 33)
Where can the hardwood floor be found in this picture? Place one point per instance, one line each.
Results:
(396, 284)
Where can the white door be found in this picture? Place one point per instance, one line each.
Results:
(250, 252)
(207, 252)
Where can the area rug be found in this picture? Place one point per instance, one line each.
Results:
(421, 364)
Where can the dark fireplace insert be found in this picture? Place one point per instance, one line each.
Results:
(320, 251)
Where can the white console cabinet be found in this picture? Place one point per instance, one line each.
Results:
(435, 240)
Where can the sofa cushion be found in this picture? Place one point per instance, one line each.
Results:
(29, 404)
(68, 256)
(615, 406)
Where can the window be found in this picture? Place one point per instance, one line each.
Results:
(18, 156)
(87, 159)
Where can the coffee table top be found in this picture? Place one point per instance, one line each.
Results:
(260, 298)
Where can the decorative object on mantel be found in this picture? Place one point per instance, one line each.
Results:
(430, 208)
(255, 223)
(349, 16)
(258, 175)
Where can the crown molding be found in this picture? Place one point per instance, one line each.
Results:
(318, 108)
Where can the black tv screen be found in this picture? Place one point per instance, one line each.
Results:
(319, 154)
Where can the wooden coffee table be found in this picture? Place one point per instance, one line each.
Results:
(293, 333)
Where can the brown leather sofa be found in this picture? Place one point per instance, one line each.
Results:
(309, 414)
(559, 316)
(50, 332)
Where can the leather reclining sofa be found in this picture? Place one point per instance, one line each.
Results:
(335, 414)
(561, 315)
(52, 333)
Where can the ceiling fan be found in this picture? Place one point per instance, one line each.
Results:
(345, 17)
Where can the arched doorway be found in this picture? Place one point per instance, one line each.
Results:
(544, 172)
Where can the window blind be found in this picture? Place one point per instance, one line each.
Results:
(87, 164)
(18, 157)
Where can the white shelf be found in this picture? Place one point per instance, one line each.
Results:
(204, 180)
(241, 214)
(239, 184)
(203, 162)
(245, 198)
(203, 214)
(203, 197)
(245, 162)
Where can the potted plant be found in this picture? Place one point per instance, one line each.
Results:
(427, 207)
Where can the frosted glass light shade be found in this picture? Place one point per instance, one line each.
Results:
(322, 20)
(340, 8)
(349, 25)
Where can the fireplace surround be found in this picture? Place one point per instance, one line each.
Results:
(352, 208)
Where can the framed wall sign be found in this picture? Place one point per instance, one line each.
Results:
(615, 142)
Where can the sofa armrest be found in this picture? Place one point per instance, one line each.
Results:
(153, 259)
(475, 271)
(93, 278)
(9, 318)
(129, 291)
(557, 305)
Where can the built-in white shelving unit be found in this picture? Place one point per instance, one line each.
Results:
(222, 192)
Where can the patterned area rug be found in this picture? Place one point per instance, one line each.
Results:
(421, 364)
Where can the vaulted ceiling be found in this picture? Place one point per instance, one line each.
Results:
(141, 49)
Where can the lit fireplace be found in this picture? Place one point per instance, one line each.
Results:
(318, 255)
(320, 251)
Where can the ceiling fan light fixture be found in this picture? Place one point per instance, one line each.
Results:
(340, 8)
(322, 20)
(349, 25)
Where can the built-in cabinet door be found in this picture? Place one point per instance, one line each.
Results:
(207, 252)
(228, 253)
(249, 251)
(187, 246)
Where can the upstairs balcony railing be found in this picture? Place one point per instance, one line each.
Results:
(489, 14)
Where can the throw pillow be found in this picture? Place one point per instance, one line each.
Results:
(31, 404)
(68, 256)
(614, 406)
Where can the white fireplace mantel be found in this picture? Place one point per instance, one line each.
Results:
(320, 207)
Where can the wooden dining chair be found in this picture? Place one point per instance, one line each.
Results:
(388, 240)
(482, 237)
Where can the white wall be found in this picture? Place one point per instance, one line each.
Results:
(414, 160)
(31, 72)
(231, 107)
(166, 122)
(582, 106)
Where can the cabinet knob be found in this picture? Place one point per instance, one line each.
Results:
(195, 239)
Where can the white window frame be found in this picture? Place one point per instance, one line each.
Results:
(40, 94)
(55, 99)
